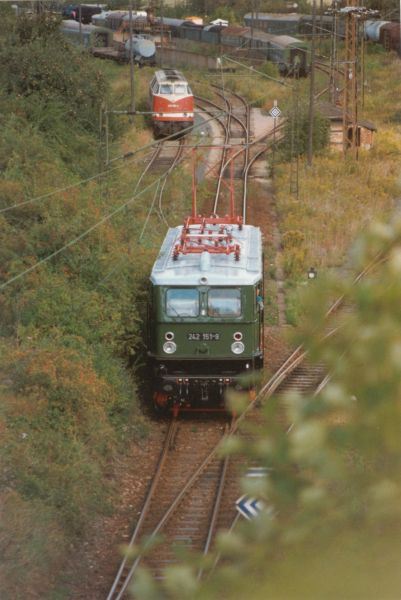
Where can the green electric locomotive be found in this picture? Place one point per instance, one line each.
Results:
(206, 312)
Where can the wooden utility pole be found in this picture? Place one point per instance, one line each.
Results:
(333, 92)
(294, 149)
(161, 34)
(312, 86)
(321, 10)
(362, 68)
(131, 59)
(399, 47)
(252, 20)
(80, 23)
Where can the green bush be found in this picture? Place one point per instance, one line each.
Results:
(297, 128)
(70, 327)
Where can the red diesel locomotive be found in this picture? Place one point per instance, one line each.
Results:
(171, 103)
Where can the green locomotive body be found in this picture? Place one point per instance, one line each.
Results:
(206, 316)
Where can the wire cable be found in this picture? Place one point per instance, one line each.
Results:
(79, 237)
(103, 220)
(101, 173)
(74, 185)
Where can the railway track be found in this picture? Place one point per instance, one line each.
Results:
(239, 150)
(191, 483)
(166, 156)
(193, 491)
(183, 499)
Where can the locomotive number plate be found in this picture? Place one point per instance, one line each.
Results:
(203, 337)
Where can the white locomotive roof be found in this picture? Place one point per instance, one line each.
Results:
(169, 75)
(218, 269)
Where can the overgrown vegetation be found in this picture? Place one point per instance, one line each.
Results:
(71, 326)
(333, 484)
(338, 197)
(334, 472)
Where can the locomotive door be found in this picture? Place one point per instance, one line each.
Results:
(259, 291)
(297, 61)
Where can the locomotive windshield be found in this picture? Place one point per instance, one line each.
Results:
(182, 302)
(221, 302)
(166, 88)
(224, 302)
(180, 89)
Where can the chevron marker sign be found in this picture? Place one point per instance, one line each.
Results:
(257, 472)
(249, 507)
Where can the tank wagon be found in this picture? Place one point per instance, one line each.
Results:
(171, 102)
(386, 33)
(390, 36)
(206, 312)
(143, 50)
(372, 29)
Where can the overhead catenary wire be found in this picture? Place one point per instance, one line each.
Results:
(79, 237)
(74, 185)
(105, 218)
(149, 211)
(86, 232)
(102, 173)
(279, 81)
(127, 154)
(130, 153)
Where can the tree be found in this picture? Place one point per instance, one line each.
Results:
(334, 483)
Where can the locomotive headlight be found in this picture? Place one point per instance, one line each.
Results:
(169, 335)
(237, 336)
(169, 347)
(237, 348)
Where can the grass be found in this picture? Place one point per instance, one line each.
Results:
(339, 198)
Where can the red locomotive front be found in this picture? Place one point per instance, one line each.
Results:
(172, 103)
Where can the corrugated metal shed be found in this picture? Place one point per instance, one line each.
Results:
(365, 129)
(335, 113)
